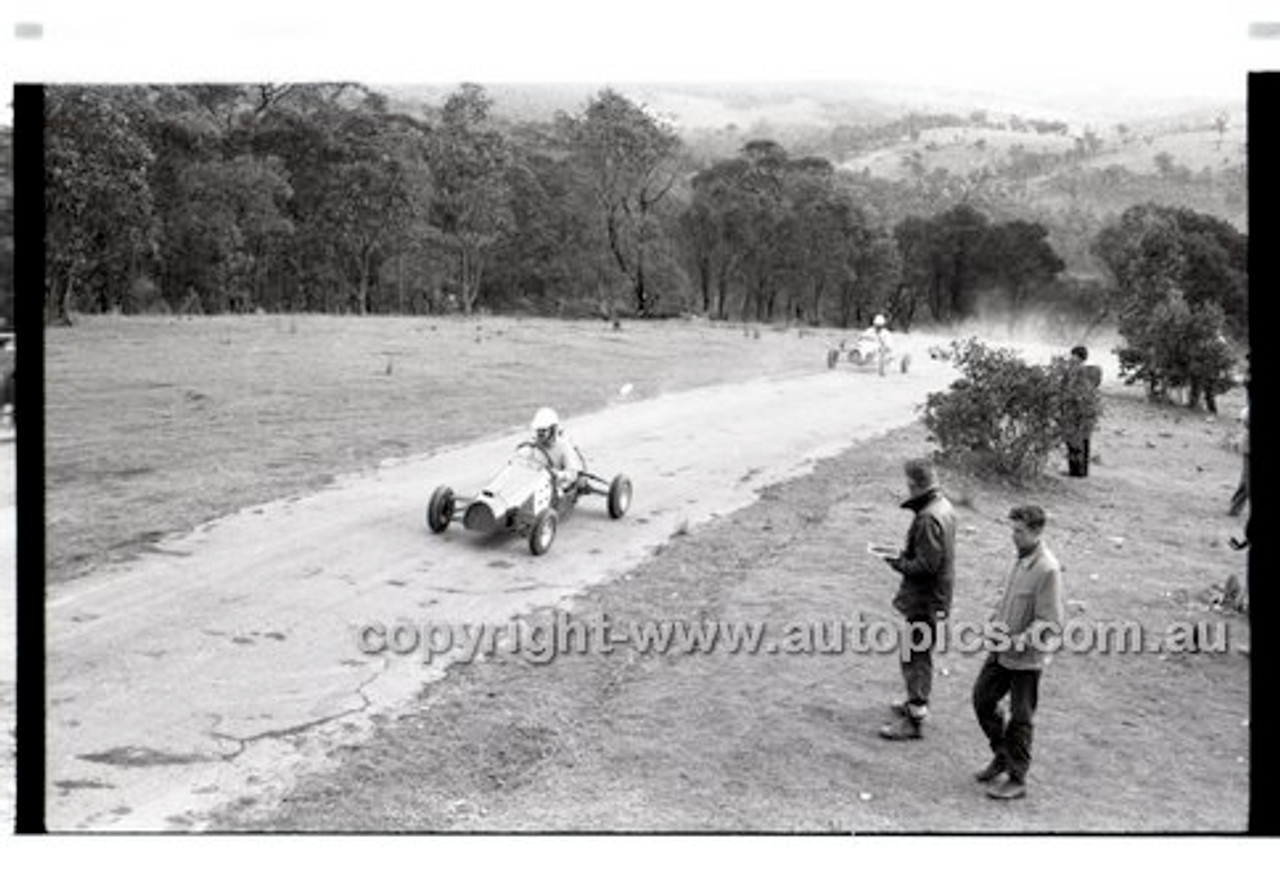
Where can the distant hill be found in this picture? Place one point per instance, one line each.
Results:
(689, 107)
(966, 148)
(1181, 160)
(780, 104)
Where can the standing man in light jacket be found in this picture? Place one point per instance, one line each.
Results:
(1030, 613)
(928, 566)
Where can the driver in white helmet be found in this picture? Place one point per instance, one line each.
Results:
(562, 456)
(883, 339)
(880, 330)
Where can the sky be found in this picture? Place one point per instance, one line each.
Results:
(1099, 51)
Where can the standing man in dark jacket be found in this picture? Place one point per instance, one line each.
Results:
(1080, 414)
(928, 565)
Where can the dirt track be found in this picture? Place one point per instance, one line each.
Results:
(224, 662)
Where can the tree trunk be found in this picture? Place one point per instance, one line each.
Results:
(67, 300)
(642, 296)
(615, 246)
(956, 292)
(722, 291)
(476, 271)
(910, 315)
(469, 272)
(704, 282)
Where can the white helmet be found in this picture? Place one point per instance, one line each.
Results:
(545, 419)
(878, 321)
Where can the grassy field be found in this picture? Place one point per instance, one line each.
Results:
(722, 741)
(156, 425)
(1194, 150)
(956, 150)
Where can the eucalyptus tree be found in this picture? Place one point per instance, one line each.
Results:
(359, 178)
(628, 159)
(100, 228)
(471, 206)
(222, 208)
(716, 230)
(1183, 285)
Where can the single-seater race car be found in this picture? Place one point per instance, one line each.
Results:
(867, 350)
(524, 497)
(871, 347)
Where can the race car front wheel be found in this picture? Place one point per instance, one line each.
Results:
(619, 496)
(440, 509)
(543, 533)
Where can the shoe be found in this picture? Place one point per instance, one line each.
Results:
(1008, 789)
(991, 771)
(903, 729)
(903, 710)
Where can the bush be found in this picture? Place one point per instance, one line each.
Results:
(1006, 416)
(1172, 346)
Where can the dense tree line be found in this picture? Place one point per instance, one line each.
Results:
(317, 197)
(320, 197)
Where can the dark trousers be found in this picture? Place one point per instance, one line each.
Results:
(1011, 740)
(917, 669)
(1078, 459)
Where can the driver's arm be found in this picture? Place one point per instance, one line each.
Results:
(566, 463)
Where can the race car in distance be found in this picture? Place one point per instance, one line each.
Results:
(873, 346)
(524, 497)
(866, 351)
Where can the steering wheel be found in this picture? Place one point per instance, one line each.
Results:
(545, 455)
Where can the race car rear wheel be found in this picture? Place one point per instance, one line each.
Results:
(440, 509)
(543, 532)
(619, 496)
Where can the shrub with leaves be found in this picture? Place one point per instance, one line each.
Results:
(1183, 280)
(1171, 346)
(1006, 416)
